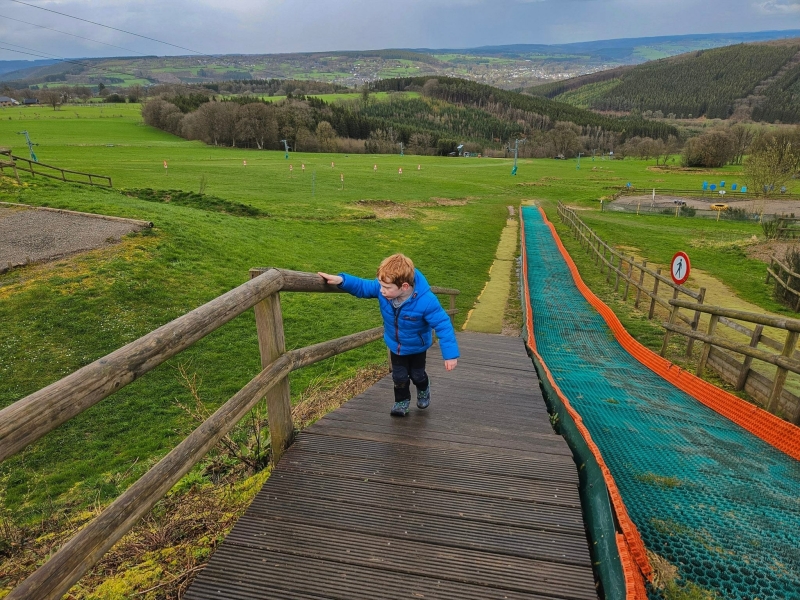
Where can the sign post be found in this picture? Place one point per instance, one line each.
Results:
(680, 268)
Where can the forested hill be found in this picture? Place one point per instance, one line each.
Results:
(513, 106)
(760, 81)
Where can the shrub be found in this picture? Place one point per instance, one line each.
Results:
(770, 228)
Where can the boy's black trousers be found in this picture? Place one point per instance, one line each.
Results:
(407, 368)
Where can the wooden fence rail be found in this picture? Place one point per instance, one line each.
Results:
(777, 270)
(91, 178)
(32, 417)
(770, 392)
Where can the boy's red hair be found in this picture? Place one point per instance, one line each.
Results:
(397, 269)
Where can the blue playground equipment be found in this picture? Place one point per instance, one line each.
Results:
(733, 187)
(705, 185)
(744, 189)
(713, 186)
(722, 184)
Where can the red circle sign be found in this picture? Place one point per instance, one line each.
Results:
(680, 267)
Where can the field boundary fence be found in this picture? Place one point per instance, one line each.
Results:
(745, 330)
(30, 418)
(41, 169)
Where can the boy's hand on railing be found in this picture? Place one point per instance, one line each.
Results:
(449, 365)
(330, 279)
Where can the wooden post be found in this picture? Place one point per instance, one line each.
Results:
(655, 293)
(641, 284)
(695, 322)
(628, 279)
(748, 360)
(781, 373)
(272, 344)
(618, 271)
(452, 308)
(673, 317)
(701, 365)
(771, 265)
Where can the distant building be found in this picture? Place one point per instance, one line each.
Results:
(27, 101)
(6, 101)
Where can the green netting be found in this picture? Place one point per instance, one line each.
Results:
(714, 500)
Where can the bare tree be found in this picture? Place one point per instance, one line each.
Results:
(256, 124)
(742, 136)
(326, 137)
(51, 97)
(564, 137)
(773, 160)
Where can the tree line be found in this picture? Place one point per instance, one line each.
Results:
(449, 112)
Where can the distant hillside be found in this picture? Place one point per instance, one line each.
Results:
(515, 108)
(513, 66)
(759, 80)
(11, 66)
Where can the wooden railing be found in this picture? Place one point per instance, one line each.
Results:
(777, 271)
(770, 392)
(30, 418)
(623, 271)
(91, 178)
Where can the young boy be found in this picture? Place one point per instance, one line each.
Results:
(410, 310)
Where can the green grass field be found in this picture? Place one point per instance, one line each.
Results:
(61, 316)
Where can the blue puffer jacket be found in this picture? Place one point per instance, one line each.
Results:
(407, 330)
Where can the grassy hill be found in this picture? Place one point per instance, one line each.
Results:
(507, 66)
(60, 316)
(760, 79)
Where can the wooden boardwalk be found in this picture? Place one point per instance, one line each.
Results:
(474, 498)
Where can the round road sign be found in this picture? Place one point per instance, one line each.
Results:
(680, 268)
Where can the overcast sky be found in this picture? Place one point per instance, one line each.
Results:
(269, 26)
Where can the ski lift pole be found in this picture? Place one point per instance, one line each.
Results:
(30, 145)
(286, 148)
(401, 149)
(516, 154)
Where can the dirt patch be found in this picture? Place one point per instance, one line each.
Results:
(765, 251)
(449, 201)
(386, 209)
(694, 170)
(30, 235)
(389, 209)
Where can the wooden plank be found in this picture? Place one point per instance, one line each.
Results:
(290, 576)
(398, 522)
(478, 484)
(566, 520)
(391, 554)
(534, 442)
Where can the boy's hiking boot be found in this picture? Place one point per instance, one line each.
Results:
(424, 397)
(400, 409)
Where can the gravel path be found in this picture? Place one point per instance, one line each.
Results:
(30, 235)
(772, 206)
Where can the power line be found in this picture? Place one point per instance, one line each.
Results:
(72, 34)
(109, 27)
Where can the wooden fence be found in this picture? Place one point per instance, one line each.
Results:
(716, 353)
(37, 168)
(785, 278)
(32, 417)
